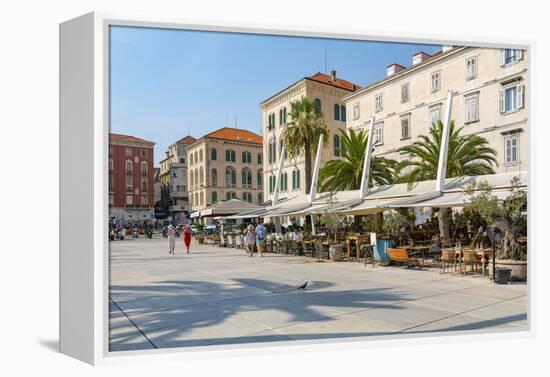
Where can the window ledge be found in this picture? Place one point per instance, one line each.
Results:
(511, 164)
(471, 122)
(405, 138)
(512, 111)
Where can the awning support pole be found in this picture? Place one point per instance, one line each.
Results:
(444, 149)
(366, 163)
(315, 175)
(278, 178)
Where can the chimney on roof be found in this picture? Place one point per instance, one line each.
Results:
(393, 69)
(333, 75)
(419, 57)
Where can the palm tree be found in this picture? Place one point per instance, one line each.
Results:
(302, 132)
(468, 155)
(346, 173)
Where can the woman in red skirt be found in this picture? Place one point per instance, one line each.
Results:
(187, 237)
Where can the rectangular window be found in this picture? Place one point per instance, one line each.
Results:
(128, 151)
(471, 68)
(111, 200)
(471, 105)
(510, 55)
(378, 135)
(260, 159)
(144, 184)
(111, 182)
(511, 98)
(405, 93)
(129, 199)
(435, 81)
(511, 154)
(128, 166)
(378, 102)
(405, 127)
(144, 200)
(144, 153)
(356, 113)
(435, 115)
(129, 183)
(111, 164)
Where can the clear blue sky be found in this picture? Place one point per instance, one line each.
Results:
(166, 84)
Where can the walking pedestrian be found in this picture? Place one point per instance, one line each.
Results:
(260, 238)
(171, 239)
(187, 237)
(250, 240)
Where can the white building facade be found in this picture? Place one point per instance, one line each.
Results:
(489, 100)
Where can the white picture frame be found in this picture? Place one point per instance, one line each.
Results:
(84, 127)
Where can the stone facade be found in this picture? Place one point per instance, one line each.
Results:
(225, 164)
(489, 100)
(173, 177)
(330, 91)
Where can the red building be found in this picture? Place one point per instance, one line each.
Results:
(131, 178)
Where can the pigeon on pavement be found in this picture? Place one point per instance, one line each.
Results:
(303, 286)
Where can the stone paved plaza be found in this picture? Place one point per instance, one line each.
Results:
(217, 296)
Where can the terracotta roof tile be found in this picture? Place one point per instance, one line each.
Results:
(128, 139)
(187, 139)
(339, 83)
(237, 134)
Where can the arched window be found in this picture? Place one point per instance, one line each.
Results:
(143, 167)
(280, 117)
(343, 113)
(230, 156)
(317, 105)
(247, 196)
(213, 154)
(230, 195)
(284, 182)
(129, 166)
(247, 157)
(190, 158)
(200, 155)
(260, 198)
(284, 115)
(201, 176)
(272, 151)
(260, 178)
(191, 180)
(296, 179)
(196, 157)
(201, 200)
(336, 111)
(214, 197)
(246, 176)
(281, 149)
(196, 199)
(214, 177)
(230, 177)
(336, 146)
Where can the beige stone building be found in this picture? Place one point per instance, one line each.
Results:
(328, 92)
(173, 179)
(225, 164)
(489, 100)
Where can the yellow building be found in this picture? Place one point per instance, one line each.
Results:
(328, 92)
(225, 164)
(489, 87)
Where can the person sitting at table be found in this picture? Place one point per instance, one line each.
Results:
(436, 244)
(295, 235)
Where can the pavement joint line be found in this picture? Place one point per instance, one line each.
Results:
(458, 314)
(133, 323)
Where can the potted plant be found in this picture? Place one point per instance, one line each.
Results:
(333, 223)
(509, 216)
(200, 235)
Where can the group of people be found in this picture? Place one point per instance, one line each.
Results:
(187, 233)
(255, 239)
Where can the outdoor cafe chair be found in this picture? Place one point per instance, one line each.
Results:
(469, 257)
(448, 257)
